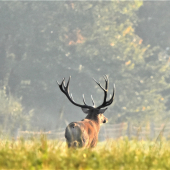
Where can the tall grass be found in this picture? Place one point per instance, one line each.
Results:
(112, 154)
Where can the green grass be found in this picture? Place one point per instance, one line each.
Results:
(112, 154)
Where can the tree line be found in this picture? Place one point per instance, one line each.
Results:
(42, 42)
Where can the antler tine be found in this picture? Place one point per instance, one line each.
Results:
(84, 100)
(92, 100)
(105, 77)
(105, 90)
(99, 85)
(106, 81)
(61, 85)
(114, 87)
(68, 82)
(71, 96)
(58, 83)
(111, 96)
(63, 82)
(107, 103)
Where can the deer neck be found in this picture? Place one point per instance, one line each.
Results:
(94, 118)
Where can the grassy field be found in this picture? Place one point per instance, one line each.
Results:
(112, 154)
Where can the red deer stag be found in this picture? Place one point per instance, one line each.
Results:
(84, 133)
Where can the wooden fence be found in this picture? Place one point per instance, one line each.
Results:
(113, 131)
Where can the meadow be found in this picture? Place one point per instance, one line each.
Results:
(120, 154)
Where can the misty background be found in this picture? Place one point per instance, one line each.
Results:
(42, 42)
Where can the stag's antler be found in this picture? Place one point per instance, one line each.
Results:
(65, 89)
(109, 102)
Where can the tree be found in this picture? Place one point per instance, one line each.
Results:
(11, 114)
(85, 39)
(153, 28)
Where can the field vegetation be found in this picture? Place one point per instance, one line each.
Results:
(113, 154)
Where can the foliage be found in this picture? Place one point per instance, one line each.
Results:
(154, 23)
(46, 41)
(153, 28)
(118, 154)
(11, 114)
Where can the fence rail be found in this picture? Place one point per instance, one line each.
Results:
(114, 131)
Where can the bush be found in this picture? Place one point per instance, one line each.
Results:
(12, 115)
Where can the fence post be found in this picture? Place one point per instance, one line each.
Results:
(152, 130)
(129, 130)
(102, 134)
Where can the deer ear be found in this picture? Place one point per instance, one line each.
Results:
(102, 110)
(85, 110)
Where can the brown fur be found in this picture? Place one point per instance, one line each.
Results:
(85, 133)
